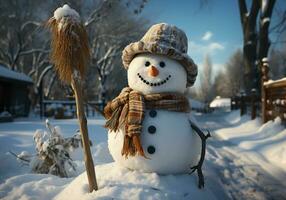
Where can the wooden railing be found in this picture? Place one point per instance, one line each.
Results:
(274, 100)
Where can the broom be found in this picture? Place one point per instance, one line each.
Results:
(70, 54)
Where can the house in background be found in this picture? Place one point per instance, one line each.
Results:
(220, 104)
(14, 92)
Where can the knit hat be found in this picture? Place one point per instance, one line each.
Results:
(163, 39)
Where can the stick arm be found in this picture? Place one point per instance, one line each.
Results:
(198, 167)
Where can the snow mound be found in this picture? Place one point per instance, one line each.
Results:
(32, 186)
(120, 183)
(235, 118)
(267, 140)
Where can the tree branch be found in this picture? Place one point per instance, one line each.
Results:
(243, 13)
(34, 51)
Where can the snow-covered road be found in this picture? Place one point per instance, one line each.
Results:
(243, 174)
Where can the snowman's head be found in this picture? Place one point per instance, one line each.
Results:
(152, 73)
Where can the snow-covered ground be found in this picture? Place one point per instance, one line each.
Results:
(244, 161)
(248, 158)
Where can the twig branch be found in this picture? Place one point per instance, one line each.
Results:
(18, 157)
(34, 51)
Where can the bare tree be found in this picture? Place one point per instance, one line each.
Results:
(221, 84)
(206, 87)
(229, 82)
(110, 36)
(255, 40)
(24, 44)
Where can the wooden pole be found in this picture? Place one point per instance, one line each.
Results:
(76, 86)
(264, 73)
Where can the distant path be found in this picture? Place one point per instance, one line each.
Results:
(240, 176)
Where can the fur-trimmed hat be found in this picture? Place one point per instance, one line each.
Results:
(163, 39)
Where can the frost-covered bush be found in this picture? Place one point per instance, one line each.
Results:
(52, 152)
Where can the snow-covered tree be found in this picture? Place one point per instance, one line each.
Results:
(52, 152)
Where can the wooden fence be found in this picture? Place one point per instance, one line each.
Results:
(274, 100)
(58, 108)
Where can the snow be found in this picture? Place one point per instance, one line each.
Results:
(6, 73)
(65, 11)
(269, 82)
(121, 183)
(265, 20)
(265, 59)
(63, 15)
(267, 140)
(113, 180)
(264, 6)
(244, 160)
(219, 102)
(5, 114)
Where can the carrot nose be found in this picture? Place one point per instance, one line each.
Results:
(153, 71)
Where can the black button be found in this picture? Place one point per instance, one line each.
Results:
(153, 113)
(152, 129)
(151, 149)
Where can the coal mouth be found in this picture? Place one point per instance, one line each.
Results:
(153, 83)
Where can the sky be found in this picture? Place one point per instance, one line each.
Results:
(214, 30)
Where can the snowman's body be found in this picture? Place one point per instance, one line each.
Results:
(166, 137)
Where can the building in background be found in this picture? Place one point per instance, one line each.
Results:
(14, 93)
(220, 104)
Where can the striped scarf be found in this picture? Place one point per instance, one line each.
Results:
(127, 111)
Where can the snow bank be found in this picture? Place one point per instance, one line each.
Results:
(120, 183)
(32, 186)
(267, 140)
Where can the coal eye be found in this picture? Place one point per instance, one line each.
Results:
(162, 64)
(147, 63)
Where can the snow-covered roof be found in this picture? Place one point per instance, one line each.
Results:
(9, 74)
(220, 102)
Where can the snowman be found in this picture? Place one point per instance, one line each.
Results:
(149, 122)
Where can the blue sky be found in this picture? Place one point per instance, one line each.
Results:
(213, 30)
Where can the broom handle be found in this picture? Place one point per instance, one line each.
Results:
(76, 85)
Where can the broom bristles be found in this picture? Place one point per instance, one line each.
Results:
(69, 47)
